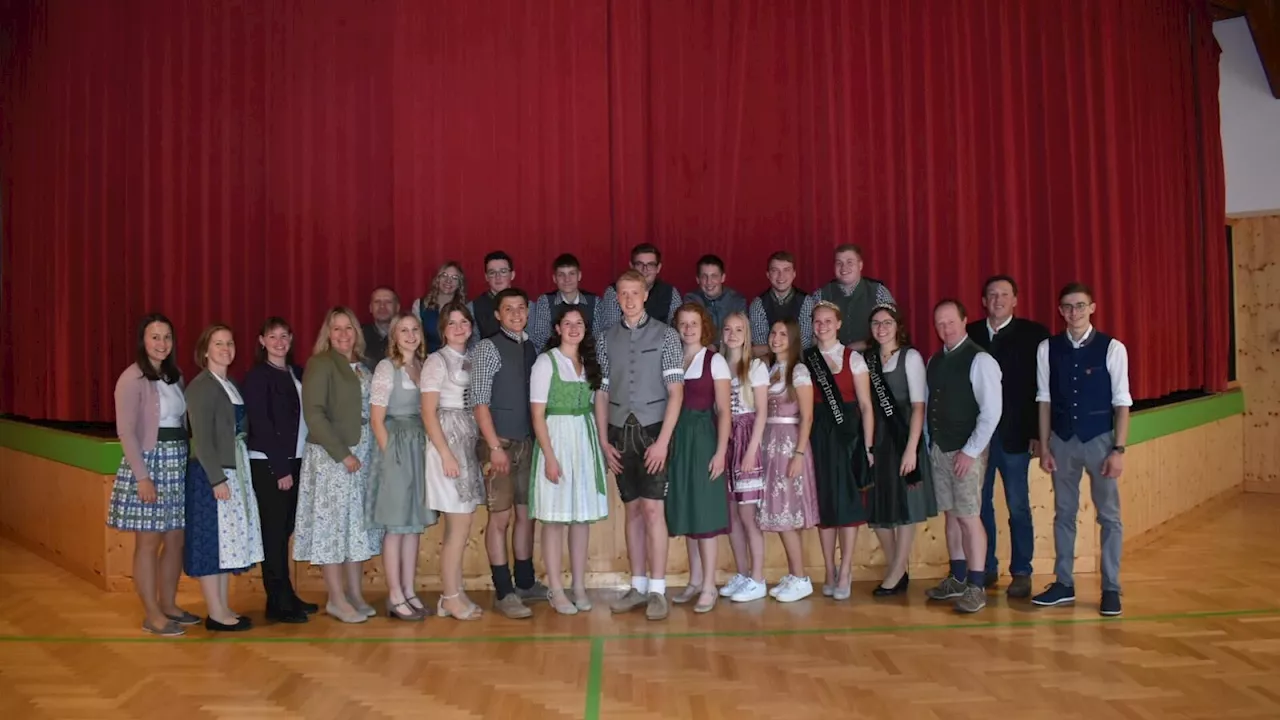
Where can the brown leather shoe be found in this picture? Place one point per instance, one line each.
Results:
(628, 602)
(657, 608)
(512, 607)
(1019, 587)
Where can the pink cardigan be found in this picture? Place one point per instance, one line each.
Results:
(137, 417)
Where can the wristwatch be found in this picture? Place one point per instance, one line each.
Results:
(1118, 449)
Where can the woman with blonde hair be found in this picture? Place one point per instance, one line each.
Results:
(331, 528)
(449, 285)
(397, 500)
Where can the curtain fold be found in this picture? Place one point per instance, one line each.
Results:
(225, 160)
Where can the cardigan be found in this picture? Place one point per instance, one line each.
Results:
(212, 416)
(332, 404)
(1014, 347)
(271, 402)
(138, 417)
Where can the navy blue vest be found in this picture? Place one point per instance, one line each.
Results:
(1080, 387)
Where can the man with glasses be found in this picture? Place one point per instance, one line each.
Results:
(663, 299)
(782, 301)
(1012, 341)
(566, 273)
(1082, 385)
(855, 295)
(712, 294)
(500, 273)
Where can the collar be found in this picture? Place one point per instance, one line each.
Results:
(1088, 333)
(780, 299)
(562, 300)
(837, 345)
(963, 339)
(848, 290)
(514, 338)
(708, 299)
(993, 330)
(644, 320)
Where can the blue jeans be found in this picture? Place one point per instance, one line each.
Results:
(1013, 469)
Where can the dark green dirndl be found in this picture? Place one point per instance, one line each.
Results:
(697, 505)
(839, 452)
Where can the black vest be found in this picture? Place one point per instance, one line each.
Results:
(953, 408)
(789, 310)
(484, 308)
(658, 304)
(855, 308)
(509, 402)
(586, 301)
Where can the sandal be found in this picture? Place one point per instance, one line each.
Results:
(561, 603)
(581, 601)
(393, 611)
(473, 611)
(689, 592)
(416, 604)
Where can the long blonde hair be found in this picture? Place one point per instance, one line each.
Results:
(429, 301)
(741, 368)
(393, 345)
(322, 341)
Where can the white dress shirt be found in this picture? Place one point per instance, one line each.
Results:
(1117, 368)
(985, 376)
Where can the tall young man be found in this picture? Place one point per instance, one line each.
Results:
(499, 397)
(637, 405)
(1012, 341)
(500, 274)
(855, 295)
(964, 409)
(1082, 381)
(662, 299)
(384, 304)
(566, 273)
(782, 301)
(720, 300)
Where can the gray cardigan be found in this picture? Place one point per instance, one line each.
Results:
(212, 418)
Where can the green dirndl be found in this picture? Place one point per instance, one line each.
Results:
(697, 505)
(581, 495)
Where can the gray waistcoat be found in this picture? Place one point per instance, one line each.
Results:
(509, 403)
(636, 385)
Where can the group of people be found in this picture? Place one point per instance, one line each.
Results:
(715, 416)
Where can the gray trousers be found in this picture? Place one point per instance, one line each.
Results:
(1073, 458)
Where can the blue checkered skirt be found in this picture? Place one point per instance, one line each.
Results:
(167, 465)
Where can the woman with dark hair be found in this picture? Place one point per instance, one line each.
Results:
(697, 505)
(567, 488)
(454, 485)
(277, 439)
(147, 497)
(902, 496)
(449, 285)
(224, 532)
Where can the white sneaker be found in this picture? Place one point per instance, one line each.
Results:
(750, 590)
(734, 585)
(797, 589)
(783, 582)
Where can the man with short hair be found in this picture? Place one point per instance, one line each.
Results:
(566, 273)
(719, 300)
(637, 405)
(500, 274)
(964, 408)
(1082, 381)
(384, 305)
(1012, 341)
(663, 299)
(782, 301)
(855, 295)
(499, 397)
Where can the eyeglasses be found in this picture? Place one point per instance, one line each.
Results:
(1078, 307)
(645, 265)
(449, 276)
(883, 323)
(501, 272)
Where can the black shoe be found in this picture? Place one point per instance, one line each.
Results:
(992, 580)
(1019, 587)
(243, 623)
(304, 606)
(1110, 605)
(292, 616)
(901, 587)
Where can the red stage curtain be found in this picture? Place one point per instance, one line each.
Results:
(226, 160)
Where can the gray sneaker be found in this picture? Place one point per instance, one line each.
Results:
(947, 589)
(973, 599)
(657, 609)
(628, 602)
(534, 592)
(512, 607)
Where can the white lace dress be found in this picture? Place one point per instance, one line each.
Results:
(448, 373)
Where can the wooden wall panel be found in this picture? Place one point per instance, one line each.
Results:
(1256, 241)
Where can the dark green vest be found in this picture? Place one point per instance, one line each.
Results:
(855, 308)
(953, 408)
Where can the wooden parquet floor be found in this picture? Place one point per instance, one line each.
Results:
(1200, 639)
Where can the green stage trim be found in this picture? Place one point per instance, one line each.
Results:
(97, 455)
(1175, 418)
(102, 456)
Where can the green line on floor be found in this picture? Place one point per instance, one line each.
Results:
(869, 630)
(595, 678)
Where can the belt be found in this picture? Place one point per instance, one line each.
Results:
(782, 421)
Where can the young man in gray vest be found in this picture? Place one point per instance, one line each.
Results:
(1082, 380)
(500, 273)
(637, 405)
(499, 397)
(566, 273)
(855, 295)
(965, 402)
(720, 300)
(662, 299)
(782, 301)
